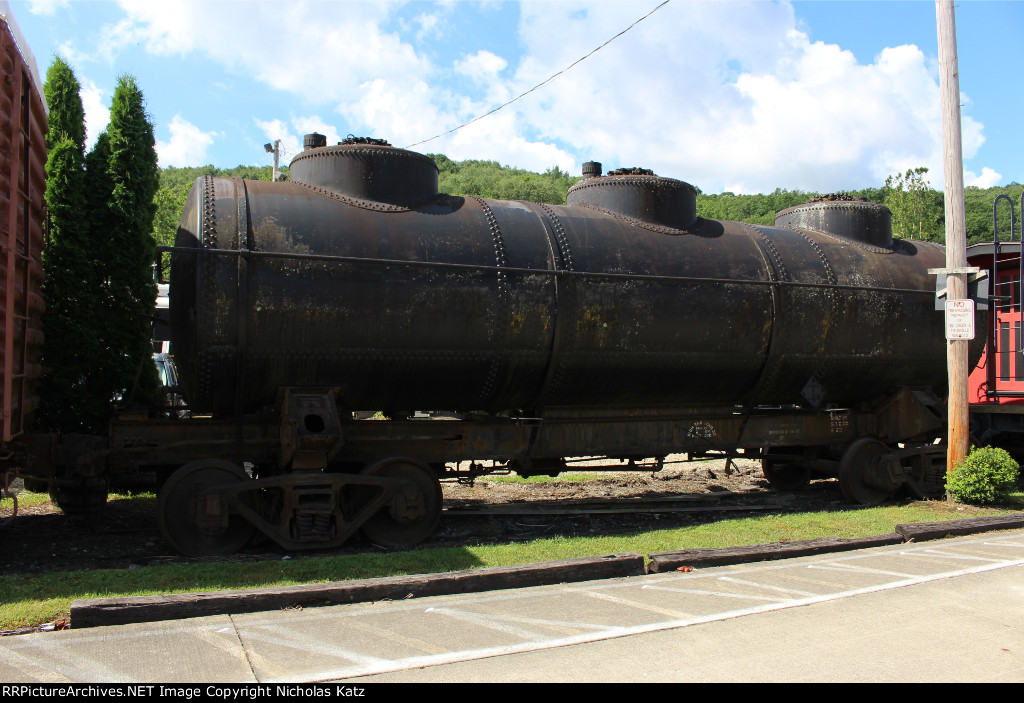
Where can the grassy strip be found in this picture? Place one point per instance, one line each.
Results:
(28, 600)
(28, 499)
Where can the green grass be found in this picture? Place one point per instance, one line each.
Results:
(28, 499)
(27, 600)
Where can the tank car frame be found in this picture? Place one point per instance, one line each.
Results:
(314, 479)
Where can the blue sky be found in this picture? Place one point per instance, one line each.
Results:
(728, 95)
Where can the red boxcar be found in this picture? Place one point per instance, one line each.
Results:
(22, 213)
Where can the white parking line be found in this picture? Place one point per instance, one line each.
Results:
(717, 594)
(671, 612)
(492, 622)
(948, 555)
(849, 568)
(780, 589)
(283, 637)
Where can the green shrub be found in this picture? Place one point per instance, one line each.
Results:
(987, 475)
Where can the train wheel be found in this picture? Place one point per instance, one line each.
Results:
(784, 474)
(861, 477)
(194, 525)
(414, 513)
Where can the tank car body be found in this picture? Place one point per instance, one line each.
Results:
(619, 325)
(358, 275)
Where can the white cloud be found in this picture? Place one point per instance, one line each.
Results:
(188, 145)
(320, 50)
(729, 97)
(47, 7)
(429, 25)
(988, 178)
(481, 66)
(70, 54)
(399, 111)
(97, 114)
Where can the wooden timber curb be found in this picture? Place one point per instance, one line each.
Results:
(120, 611)
(937, 530)
(725, 556)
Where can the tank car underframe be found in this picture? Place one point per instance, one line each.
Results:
(382, 475)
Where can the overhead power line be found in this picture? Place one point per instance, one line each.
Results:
(551, 78)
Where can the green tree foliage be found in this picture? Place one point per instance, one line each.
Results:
(978, 204)
(754, 209)
(917, 210)
(69, 266)
(126, 246)
(67, 115)
(489, 179)
(986, 475)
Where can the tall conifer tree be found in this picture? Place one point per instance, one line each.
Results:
(70, 321)
(126, 243)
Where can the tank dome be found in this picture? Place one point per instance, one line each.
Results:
(637, 194)
(859, 220)
(367, 169)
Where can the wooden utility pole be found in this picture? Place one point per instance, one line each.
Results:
(956, 237)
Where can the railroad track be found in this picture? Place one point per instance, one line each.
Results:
(718, 501)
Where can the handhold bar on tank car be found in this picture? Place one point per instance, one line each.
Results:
(534, 272)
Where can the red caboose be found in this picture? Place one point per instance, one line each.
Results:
(997, 382)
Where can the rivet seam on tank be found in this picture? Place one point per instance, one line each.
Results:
(773, 252)
(209, 240)
(833, 303)
(772, 373)
(499, 335)
(550, 394)
(660, 229)
(560, 237)
(853, 242)
(356, 202)
(209, 214)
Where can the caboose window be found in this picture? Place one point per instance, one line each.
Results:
(1008, 351)
(1008, 291)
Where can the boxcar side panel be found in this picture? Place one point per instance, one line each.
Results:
(22, 213)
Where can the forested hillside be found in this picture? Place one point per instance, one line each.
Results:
(489, 179)
(917, 208)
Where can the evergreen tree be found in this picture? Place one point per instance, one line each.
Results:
(67, 115)
(125, 241)
(70, 320)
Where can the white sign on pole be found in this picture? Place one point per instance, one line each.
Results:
(959, 319)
